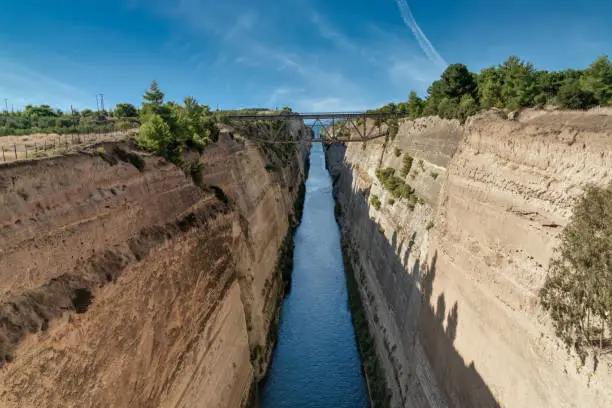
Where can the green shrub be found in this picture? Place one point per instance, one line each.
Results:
(406, 165)
(395, 185)
(196, 170)
(155, 136)
(375, 201)
(578, 289)
(572, 96)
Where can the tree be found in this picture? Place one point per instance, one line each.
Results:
(415, 106)
(578, 289)
(467, 107)
(155, 135)
(448, 109)
(597, 80)
(435, 95)
(490, 82)
(519, 83)
(457, 81)
(572, 96)
(125, 110)
(153, 100)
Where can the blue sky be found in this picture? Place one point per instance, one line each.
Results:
(309, 54)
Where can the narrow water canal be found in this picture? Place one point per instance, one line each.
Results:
(316, 362)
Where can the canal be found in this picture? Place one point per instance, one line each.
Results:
(316, 362)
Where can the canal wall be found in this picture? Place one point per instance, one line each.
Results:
(128, 285)
(449, 276)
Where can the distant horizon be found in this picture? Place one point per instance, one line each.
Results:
(307, 54)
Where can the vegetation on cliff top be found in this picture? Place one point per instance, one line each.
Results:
(44, 119)
(514, 84)
(578, 288)
(168, 127)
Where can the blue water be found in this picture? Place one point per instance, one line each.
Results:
(316, 362)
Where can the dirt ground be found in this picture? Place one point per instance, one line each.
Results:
(39, 145)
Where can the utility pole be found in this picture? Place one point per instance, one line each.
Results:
(102, 102)
(97, 103)
(6, 104)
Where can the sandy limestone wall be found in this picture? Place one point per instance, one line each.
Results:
(451, 286)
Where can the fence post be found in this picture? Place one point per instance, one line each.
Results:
(3, 157)
(25, 146)
(45, 145)
(15, 147)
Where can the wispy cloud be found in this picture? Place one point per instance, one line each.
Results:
(326, 30)
(22, 85)
(259, 54)
(421, 38)
(244, 23)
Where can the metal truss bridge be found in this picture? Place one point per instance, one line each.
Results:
(332, 127)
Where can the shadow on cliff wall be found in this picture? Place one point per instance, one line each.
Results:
(461, 383)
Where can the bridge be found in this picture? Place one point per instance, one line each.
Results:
(333, 127)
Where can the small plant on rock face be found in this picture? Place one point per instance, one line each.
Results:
(390, 201)
(375, 201)
(429, 225)
(433, 175)
(397, 152)
(406, 165)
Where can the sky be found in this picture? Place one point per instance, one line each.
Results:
(312, 55)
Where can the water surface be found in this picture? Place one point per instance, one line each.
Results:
(316, 362)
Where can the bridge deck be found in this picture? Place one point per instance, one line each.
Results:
(311, 116)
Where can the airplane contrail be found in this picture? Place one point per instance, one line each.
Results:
(422, 39)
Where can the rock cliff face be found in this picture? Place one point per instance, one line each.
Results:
(450, 286)
(128, 288)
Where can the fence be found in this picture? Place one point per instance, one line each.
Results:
(14, 148)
